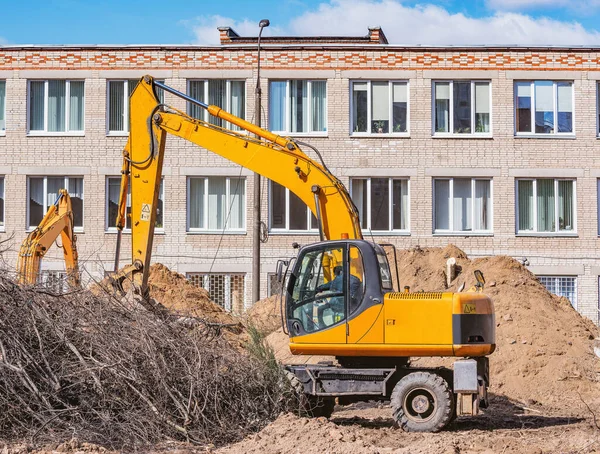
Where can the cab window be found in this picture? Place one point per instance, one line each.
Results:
(318, 296)
(357, 278)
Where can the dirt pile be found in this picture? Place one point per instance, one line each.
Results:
(265, 315)
(544, 346)
(173, 291)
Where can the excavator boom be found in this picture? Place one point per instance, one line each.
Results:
(58, 221)
(278, 158)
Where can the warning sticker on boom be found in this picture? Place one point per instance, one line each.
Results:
(145, 212)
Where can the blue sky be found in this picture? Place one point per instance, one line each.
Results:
(403, 21)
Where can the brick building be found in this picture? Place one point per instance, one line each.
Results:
(490, 148)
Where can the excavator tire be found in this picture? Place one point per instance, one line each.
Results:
(310, 406)
(422, 402)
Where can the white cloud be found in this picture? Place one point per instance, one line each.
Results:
(516, 5)
(421, 24)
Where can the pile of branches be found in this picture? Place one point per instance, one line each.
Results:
(88, 366)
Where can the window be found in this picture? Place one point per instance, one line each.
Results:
(227, 290)
(462, 108)
(113, 190)
(43, 192)
(118, 93)
(462, 205)
(287, 212)
(561, 286)
(598, 109)
(56, 106)
(2, 107)
(375, 103)
(230, 95)
(544, 107)
(298, 106)
(1, 203)
(377, 210)
(546, 206)
(55, 281)
(216, 204)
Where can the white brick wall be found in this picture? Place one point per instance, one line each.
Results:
(420, 156)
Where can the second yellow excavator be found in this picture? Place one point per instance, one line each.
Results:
(58, 221)
(339, 297)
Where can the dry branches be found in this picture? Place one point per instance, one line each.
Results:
(88, 366)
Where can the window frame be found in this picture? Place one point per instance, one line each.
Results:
(369, 133)
(555, 109)
(451, 232)
(451, 133)
(125, 132)
(288, 121)
(112, 228)
(391, 231)
(68, 132)
(226, 229)
(557, 278)
(597, 109)
(205, 115)
(76, 229)
(535, 231)
(3, 111)
(287, 230)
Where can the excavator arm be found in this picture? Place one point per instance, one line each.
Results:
(58, 221)
(278, 158)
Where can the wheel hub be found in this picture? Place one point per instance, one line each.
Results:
(420, 404)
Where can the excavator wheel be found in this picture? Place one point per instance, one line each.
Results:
(422, 402)
(309, 406)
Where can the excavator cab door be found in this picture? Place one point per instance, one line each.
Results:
(316, 296)
(331, 284)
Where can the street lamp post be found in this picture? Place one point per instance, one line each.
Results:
(256, 206)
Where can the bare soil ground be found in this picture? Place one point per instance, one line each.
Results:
(368, 428)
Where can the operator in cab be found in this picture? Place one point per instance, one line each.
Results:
(336, 286)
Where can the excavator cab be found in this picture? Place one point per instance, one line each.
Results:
(331, 283)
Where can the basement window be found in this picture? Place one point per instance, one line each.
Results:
(227, 290)
(565, 286)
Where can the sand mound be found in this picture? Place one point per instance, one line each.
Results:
(178, 294)
(423, 269)
(173, 291)
(265, 314)
(544, 347)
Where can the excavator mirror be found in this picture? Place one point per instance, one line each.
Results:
(279, 270)
(480, 279)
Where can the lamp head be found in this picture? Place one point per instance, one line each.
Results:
(264, 23)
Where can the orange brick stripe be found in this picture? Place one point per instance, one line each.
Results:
(297, 59)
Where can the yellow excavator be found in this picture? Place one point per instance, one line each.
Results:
(339, 295)
(58, 221)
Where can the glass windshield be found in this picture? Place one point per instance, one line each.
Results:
(318, 295)
(384, 269)
(357, 278)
